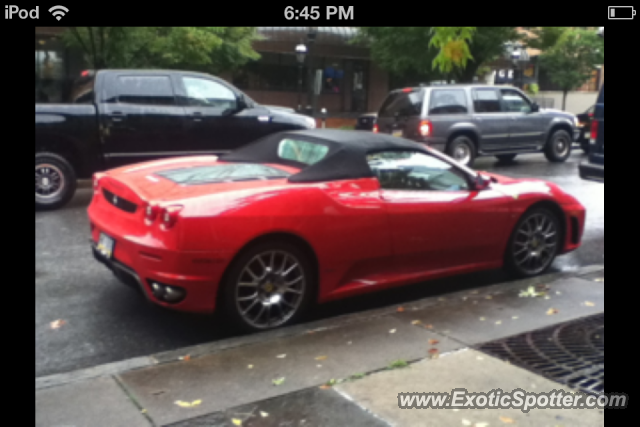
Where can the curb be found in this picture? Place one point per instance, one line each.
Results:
(200, 350)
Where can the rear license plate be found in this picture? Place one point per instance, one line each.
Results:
(105, 245)
(397, 133)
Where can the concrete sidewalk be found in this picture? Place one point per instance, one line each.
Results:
(276, 382)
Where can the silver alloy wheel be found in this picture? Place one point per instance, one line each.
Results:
(562, 145)
(462, 154)
(50, 182)
(535, 244)
(270, 289)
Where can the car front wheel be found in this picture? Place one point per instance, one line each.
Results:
(269, 286)
(55, 181)
(534, 243)
(558, 148)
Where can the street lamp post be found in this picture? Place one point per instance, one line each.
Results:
(301, 53)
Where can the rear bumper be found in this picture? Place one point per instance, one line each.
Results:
(138, 265)
(592, 172)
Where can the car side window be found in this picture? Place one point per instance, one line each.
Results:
(416, 171)
(486, 101)
(514, 102)
(145, 90)
(448, 101)
(207, 93)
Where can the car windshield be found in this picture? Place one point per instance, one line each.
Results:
(223, 173)
(403, 104)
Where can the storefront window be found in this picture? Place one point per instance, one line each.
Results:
(50, 70)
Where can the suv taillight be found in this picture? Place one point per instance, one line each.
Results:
(376, 129)
(169, 215)
(425, 128)
(594, 131)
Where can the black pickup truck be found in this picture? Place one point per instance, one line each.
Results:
(119, 117)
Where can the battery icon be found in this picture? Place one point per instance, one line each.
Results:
(621, 12)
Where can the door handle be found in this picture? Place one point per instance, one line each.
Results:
(197, 116)
(117, 116)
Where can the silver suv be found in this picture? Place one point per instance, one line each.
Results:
(467, 121)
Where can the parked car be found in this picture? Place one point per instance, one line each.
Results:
(120, 117)
(584, 126)
(366, 122)
(313, 216)
(593, 168)
(467, 121)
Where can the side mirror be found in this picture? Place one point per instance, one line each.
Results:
(535, 108)
(481, 182)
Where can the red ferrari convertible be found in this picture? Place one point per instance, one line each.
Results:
(311, 216)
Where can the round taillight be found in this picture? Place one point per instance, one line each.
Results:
(170, 215)
(376, 129)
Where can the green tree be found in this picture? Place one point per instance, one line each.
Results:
(544, 38)
(212, 49)
(571, 61)
(435, 52)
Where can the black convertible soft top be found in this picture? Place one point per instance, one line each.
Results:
(346, 158)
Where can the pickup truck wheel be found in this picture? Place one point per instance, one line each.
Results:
(506, 158)
(463, 150)
(558, 148)
(55, 181)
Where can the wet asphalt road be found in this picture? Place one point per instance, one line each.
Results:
(108, 322)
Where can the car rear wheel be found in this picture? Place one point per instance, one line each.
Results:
(534, 243)
(558, 148)
(269, 286)
(506, 158)
(463, 150)
(55, 181)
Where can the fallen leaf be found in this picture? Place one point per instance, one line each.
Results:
(185, 358)
(183, 404)
(319, 366)
(57, 323)
(281, 356)
(499, 322)
(551, 311)
(249, 366)
(428, 326)
(264, 414)
(507, 420)
(514, 317)
(482, 319)
(547, 297)
(392, 331)
(325, 387)
(433, 342)
(415, 322)
(600, 279)
(589, 304)
(433, 350)
(466, 422)
(278, 381)
(236, 422)
(144, 411)
(400, 309)
(558, 293)
(321, 358)
(350, 342)
(489, 297)
(480, 424)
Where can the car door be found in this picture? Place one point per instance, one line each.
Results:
(140, 118)
(438, 220)
(525, 126)
(492, 122)
(215, 121)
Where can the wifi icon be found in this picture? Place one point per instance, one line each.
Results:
(58, 11)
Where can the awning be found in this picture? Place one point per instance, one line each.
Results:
(324, 35)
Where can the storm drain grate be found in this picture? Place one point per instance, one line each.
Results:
(570, 353)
